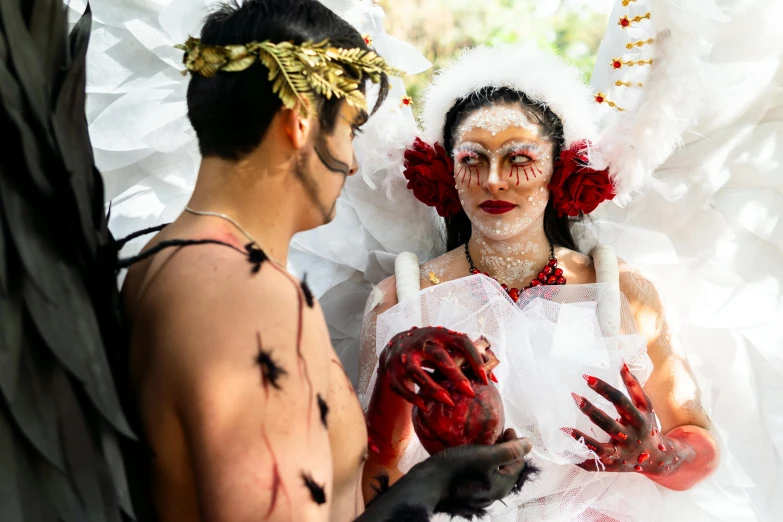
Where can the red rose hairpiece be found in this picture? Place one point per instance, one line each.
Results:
(430, 174)
(575, 187)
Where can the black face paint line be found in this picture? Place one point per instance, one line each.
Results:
(311, 188)
(329, 161)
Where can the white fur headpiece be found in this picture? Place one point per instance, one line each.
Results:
(542, 76)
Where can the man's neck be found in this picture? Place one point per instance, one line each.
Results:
(514, 261)
(255, 198)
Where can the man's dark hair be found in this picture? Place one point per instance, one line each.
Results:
(458, 226)
(232, 111)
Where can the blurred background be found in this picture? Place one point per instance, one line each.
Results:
(441, 28)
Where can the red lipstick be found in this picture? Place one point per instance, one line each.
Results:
(497, 207)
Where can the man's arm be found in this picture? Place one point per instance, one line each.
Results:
(247, 371)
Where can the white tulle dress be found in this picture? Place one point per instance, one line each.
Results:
(707, 230)
(545, 342)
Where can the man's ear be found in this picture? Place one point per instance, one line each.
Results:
(295, 126)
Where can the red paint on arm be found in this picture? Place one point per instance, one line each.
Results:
(350, 384)
(697, 457)
(302, 364)
(277, 483)
(389, 422)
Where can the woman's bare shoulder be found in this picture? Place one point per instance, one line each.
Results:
(578, 268)
(382, 297)
(451, 265)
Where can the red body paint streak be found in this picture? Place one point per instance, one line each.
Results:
(277, 483)
(302, 365)
(350, 384)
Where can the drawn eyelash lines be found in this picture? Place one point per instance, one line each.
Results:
(527, 169)
(468, 170)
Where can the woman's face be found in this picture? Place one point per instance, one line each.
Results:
(502, 165)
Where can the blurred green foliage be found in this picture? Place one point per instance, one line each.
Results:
(440, 29)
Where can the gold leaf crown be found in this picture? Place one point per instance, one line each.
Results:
(297, 72)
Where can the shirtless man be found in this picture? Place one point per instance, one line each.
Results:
(242, 399)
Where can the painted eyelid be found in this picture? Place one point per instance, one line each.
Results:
(461, 155)
(470, 161)
(512, 156)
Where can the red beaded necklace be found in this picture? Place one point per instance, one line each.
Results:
(550, 275)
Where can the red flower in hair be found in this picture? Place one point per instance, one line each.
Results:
(429, 172)
(576, 187)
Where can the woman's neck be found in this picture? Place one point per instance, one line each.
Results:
(514, 261)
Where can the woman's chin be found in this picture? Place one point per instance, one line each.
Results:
(502, 226)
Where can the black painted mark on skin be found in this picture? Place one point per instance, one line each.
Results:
(307, 292)
(324, 409)
(317, 493)
(271, 371)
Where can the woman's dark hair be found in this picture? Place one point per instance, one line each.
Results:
(458, 226)
(232, 111)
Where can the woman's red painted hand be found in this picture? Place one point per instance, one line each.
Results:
(636, 444)
(407, 355)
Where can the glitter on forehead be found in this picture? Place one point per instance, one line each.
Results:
(518, 146)
(497, 118)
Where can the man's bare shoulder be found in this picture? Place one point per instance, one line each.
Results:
(207, 303)
(239, 352)
(203, 276)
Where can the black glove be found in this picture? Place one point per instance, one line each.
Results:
(461, 481)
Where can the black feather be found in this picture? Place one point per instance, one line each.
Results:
(468, 485)
(62, 338)
(530, 472)
(317, 493)
(271, 371)
(380, 487)
(11, 339)
(24, 94)
(323, 408)
(255, 256)
(308, 294)
(3, 262)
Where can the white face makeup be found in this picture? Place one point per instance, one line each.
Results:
(509, 264)
(496, 118)
(501, 169)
